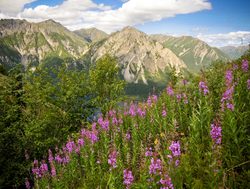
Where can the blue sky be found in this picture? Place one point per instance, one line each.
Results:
(218, 22)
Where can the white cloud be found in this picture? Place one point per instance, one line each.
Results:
(11, 8)
(226, 39)
(76, 14)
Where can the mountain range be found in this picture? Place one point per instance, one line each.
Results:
(142, 57)
(234, 52)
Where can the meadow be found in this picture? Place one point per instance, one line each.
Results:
(194, 134)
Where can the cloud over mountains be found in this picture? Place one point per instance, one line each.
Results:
(76, 14)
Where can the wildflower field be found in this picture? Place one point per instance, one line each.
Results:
(195, 134)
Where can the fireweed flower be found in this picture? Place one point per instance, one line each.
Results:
(80, 142)
(215, 133)
(132, 111)
(141, 112)
(149, 152)
(65, 159)
(128, 135)
(170, 91)
(50, 158)
(112, 159)
(175, 148)
(164, 113)
(178, 96)
(27, 183)
(103, 123)
(244, 65)
(149, 101)
(128, 178)
(70, 146)
(36, 170)
(227, 99)
(248, 84)
(166, 182)
(58, 159)
(203, 87)
(229, 77)
(155, 165)
(53, 170)
(43, 168)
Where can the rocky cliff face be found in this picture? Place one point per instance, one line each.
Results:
(195, 53)
(138, 54)
(35, 41)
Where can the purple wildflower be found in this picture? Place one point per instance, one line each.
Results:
(115, 121)
(166, 182)
(177, 162)
(80, 142)
(170, 91)
(229, 77)
(215, 133)
(58, 159)
(132, 111)
(230, 106)
(141, 112)
(43, 168)
(35, 169)
(53, 170)
(103, 123)
(127, 178)
(112, 113)
(149, 152)
(228, 94)
(203, 87)
(70, 146)
(51, 158)
(112, 159)
(227, 98)
(149, 101)
(128, 135)
(27, 183)
(248, 84)
(155, 166)
(164, 113)
(244, 65)
(178, 96)
(175, 148)
(66, 159)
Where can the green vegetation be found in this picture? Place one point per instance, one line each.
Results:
(194, 135)
(74, 126)
(40, 109)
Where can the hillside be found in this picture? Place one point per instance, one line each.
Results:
(234, 52)
(32, 42)
(195, 53)
(139, 56)
(91, 34)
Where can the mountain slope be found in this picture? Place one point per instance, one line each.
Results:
(139, 55)
(35, 41)
(91, 34)
(234, 52)
(195, 53)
